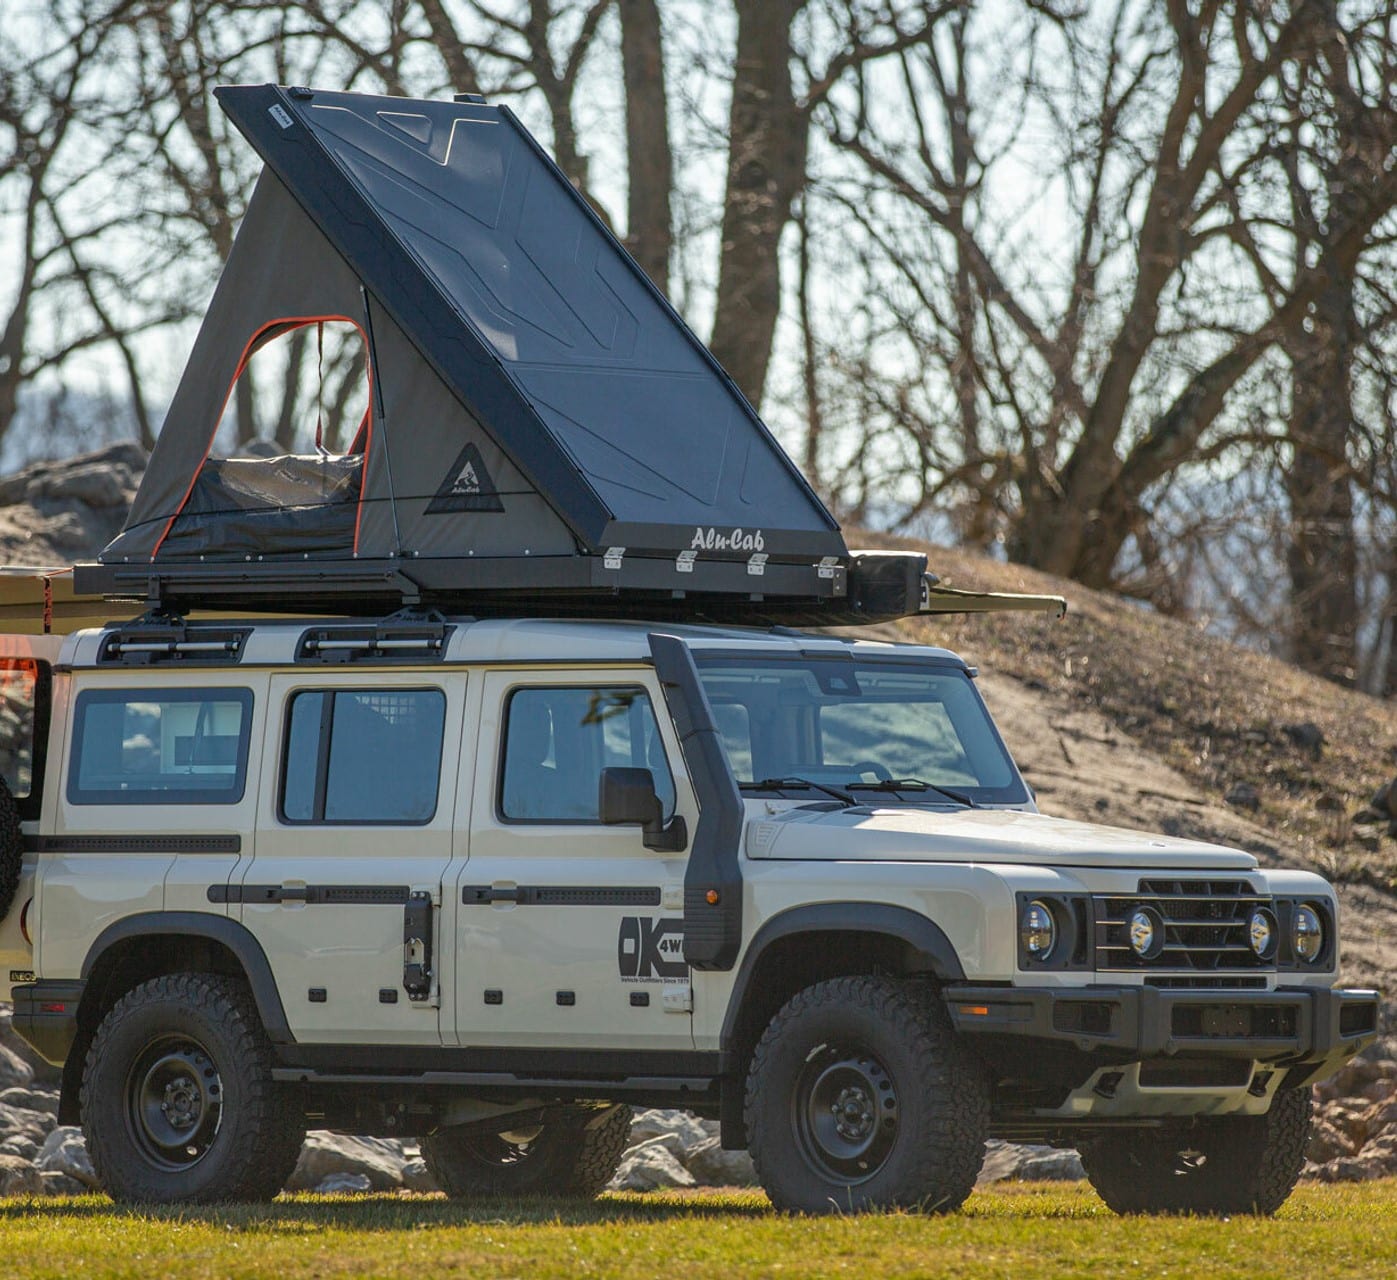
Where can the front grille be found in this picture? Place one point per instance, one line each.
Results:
(1211, 981)
(1205, 929)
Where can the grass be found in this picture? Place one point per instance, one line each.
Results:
(1011, 1230)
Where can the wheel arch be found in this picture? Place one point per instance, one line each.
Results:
(139, 947)
(810, 944)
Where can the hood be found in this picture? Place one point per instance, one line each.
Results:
(977, 835)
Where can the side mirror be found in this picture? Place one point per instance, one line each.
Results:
(627, 797)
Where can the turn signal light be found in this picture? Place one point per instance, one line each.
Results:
(52, 1006)
(711, 897)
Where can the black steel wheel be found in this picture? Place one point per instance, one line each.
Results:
(571, 1151)
(178, 1102)
(860, 1097)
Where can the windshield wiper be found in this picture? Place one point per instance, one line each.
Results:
(914, 784)
(790, 780)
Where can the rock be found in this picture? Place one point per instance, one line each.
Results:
(681, 1132)
(325, 1154)
(65, 1151)
(1243, 796)
(30, 1099)
(18, 1145)
(649, 1167)
(58, 512)
(1024, 1162)
(1329, 1142)
(711, 1166)
(14, 1071)
(1306, 735)
(19, 1178)
(43, 1073)
(1052, 1166)
(19, 1122)
(417, 1177)
(60, 1184)
(344, 1184)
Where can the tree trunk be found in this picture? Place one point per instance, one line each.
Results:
(768, 137)
(649, 158)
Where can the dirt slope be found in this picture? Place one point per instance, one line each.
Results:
(1118, 715)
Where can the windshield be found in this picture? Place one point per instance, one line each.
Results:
(913, 731)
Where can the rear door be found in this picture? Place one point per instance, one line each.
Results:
(354, 834)
(26, 701)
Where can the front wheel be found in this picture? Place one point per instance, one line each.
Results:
(1213, 1166)
(860, 1097)
(178, 1102)
(574, 1151)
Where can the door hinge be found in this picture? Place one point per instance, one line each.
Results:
(677, 998)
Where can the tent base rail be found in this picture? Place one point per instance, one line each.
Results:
(868, 588)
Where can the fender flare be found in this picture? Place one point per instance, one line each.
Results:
(924, 936)
(220, 929)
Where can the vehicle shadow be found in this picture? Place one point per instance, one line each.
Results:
(391, 1212)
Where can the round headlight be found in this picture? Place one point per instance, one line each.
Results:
(1038, 930)
(1262, 933)
(1145, 928)
(1307, 933)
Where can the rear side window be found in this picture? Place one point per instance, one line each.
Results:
(557, 742)
(369, 756)
(160, 746)
(25, 685)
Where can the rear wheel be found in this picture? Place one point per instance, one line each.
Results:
(1213, 1166)
(573, 1152)
(860, 1097)
(178, 1102)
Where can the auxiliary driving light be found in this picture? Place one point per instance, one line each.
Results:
(1263, 933)
(1307, 933)
(1145, 928)
(1038, 930)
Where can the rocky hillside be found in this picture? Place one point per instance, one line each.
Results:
(1117, 715)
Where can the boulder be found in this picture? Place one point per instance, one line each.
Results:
(344, 1184)
(711, 1166)
(14, 1070)
(1024, 1162)
(64, 1151)
(681, 1132)
(41, 1072)
(650, 1166)
(30, 1099)
(19, 1178)
(57, 512)
(17, 1145)
(417, 1177)
(326, 1154)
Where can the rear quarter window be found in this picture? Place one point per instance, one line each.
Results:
(160, 746)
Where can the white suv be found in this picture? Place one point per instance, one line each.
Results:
(488, 883)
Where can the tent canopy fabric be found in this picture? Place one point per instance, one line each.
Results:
(540, 417)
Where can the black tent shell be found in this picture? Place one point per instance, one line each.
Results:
(542, 421)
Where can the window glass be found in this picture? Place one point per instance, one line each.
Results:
(160, 746)
(557, 742)
(363, 756)
(861, 726)
(19, 691)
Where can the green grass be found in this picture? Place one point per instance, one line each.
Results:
(1026, 1231)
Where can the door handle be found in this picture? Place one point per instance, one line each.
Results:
(417, 946)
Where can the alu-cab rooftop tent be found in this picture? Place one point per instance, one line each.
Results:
(542, 423)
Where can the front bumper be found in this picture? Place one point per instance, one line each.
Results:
(1291, 1026)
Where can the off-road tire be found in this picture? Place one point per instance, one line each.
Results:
(11, 849)
(890, 1044)
(1250, 1163)
(191, 1032)
(575, 1154)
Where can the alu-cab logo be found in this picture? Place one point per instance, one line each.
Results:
(738, 540)
(651, 949)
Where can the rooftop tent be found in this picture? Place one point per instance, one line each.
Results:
(542, 420)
